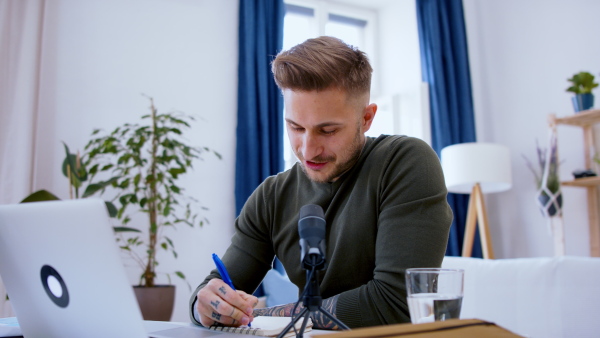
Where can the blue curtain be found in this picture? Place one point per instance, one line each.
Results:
(259, 152)
(445, 66)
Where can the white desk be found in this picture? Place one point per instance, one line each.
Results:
(153, 326)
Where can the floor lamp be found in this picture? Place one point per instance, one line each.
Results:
(477, 168)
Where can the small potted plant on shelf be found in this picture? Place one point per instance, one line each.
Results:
(582, 84)
(140, 165)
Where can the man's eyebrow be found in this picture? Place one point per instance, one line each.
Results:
(291, 122)
(320, 125)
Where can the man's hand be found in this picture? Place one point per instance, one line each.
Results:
(219, 303)
(320, 321)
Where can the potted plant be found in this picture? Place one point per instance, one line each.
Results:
(139, 165)
(549, 196)
(582, 84)
(77, 174)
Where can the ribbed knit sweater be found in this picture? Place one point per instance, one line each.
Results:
(386, 214)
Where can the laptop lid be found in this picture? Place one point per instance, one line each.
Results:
(62, 271)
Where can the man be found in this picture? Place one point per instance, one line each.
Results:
(384, 201)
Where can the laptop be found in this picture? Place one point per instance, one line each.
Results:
(62, 271)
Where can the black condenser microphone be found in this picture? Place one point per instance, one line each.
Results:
(311, 227)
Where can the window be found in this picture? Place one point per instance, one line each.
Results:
(305, 19)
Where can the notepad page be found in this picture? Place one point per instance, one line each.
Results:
(266, 326)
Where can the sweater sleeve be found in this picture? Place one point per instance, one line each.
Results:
(412, 231)
(250, 254)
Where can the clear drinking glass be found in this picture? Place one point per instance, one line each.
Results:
(434, 294)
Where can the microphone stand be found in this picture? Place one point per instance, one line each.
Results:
(312, 301)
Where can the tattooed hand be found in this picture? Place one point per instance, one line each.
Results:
(219, 303)
(320, 321)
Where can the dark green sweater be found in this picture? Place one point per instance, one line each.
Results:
(388, 213)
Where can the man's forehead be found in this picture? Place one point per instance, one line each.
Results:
(361, 99)
(319, 125)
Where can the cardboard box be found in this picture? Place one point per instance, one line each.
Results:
(453, 328)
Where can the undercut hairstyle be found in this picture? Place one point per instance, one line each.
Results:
(322, 63)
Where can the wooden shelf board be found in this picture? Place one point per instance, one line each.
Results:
(582, 182)
(585, 119)
(581, 119)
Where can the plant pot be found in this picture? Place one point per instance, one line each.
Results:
(552, 208)
(156, 303)
(583, 102)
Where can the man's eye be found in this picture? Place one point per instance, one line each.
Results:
(329, 132)
(298, 129)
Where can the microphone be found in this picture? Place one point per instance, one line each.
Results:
(311, 227)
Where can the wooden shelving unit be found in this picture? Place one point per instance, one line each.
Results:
(586, 120)
(582, 119)
(582, 182)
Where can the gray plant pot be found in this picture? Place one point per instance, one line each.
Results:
(552, 208)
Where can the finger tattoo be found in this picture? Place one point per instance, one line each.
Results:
(215, 304)
(222, 289)
(216, 316)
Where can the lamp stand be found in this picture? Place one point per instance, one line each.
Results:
(477, 214)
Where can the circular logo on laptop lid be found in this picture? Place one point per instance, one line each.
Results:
(55, 286)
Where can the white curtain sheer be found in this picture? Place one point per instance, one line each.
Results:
(21, 24)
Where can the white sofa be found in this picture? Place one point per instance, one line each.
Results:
(533, 297)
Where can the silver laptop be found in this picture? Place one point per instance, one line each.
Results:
(64, 276)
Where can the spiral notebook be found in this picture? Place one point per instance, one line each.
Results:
(266, 326)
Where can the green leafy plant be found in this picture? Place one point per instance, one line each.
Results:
(582, 83)
(142, 164)
(76, 173)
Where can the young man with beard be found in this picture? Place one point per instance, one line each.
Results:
(384, 200)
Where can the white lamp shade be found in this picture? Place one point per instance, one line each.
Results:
(465, 164)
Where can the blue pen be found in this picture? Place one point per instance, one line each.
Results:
(223, 272)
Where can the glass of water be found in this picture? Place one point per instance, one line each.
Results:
(434, 294)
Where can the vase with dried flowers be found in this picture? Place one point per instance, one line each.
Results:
(549, 196)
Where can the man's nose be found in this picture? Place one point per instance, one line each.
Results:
(311, 146)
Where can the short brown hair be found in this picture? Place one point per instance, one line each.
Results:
(321, 63)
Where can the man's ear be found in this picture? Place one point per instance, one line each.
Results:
(368, 116)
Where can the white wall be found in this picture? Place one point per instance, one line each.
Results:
(521, 54)
(97, 59)
(401, 68)
(99, 56)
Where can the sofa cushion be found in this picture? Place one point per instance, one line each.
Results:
(535, 297)
(279, 289)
